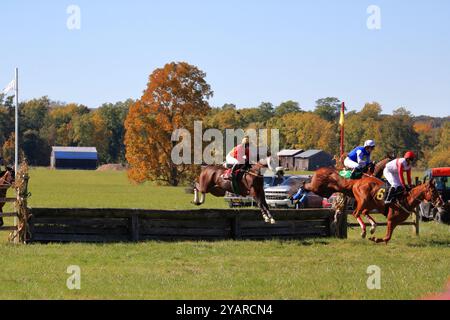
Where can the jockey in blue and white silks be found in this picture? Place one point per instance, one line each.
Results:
(359, 157)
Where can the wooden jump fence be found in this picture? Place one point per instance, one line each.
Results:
(129, 225)
(133, 225)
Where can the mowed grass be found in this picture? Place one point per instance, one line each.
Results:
(411, 267)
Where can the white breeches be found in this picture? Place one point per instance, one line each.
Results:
(231, 160)
(392, 178)
(349, 163)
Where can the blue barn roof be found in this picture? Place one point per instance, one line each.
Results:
(81, 153)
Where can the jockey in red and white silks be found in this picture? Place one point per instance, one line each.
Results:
(394, 174)
(238, 158)
(240, 154)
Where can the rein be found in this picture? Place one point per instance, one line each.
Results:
(253, 174)
(415, 201)
(3, 183)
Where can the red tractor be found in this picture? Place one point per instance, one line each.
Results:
(427, 211)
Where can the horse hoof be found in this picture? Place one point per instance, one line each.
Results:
(272, 221)
(363, 234)
(373, 239)
(373, 229)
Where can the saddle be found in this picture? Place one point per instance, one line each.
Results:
(234, 177)
(356, 174)
(349, 174)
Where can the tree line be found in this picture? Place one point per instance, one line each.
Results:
(138, 132)
(45, 123)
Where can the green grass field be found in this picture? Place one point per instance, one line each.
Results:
(411, 267)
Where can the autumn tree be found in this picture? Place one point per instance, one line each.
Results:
(33, 115)
(90, 130)
(8, 149)
(397, 133)
(306, 131)
(176, 96)
(59, 128)
(371, 111)
(287, 107)
(440, 156)
(114, 116)
(328, 108)
(6, 118)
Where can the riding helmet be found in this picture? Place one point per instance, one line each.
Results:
(369, 143)
(410, 155)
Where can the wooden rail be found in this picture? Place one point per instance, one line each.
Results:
(129, 225)
(8, 214)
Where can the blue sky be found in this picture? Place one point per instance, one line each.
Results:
(252, 51)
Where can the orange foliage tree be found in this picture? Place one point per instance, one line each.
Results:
(8, 150)
(176, 96)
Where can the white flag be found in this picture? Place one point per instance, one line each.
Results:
(11, 86)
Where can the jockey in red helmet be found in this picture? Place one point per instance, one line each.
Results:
(238, 158)
(394, 174)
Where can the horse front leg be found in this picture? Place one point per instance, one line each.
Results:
(372, 222)
(389, 231)
(198, 200)
(267, 210)
(357, 215)
(263, 210)
(263, 206)
(395, 218)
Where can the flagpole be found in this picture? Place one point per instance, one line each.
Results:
(16, 155)
(342, 129)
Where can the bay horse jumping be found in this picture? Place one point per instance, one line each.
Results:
(250, 183)
(6, 181)
(369, 193)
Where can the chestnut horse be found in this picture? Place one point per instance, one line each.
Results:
(369, 193)
(251, 183)
(327, 181)
(6, 181)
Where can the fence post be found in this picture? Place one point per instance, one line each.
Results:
(416, 221)
(235, 227)
(134, 227)
(21, 234)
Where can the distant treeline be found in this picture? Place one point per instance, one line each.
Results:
(45, 123)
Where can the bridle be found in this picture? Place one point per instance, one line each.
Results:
(436, 198)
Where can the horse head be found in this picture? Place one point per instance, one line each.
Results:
(8, 177)
(270, 162)
(391, 156)
(431, 194)
(378, 167)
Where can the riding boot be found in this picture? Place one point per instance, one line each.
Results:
(355, 173)
(390, 196)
